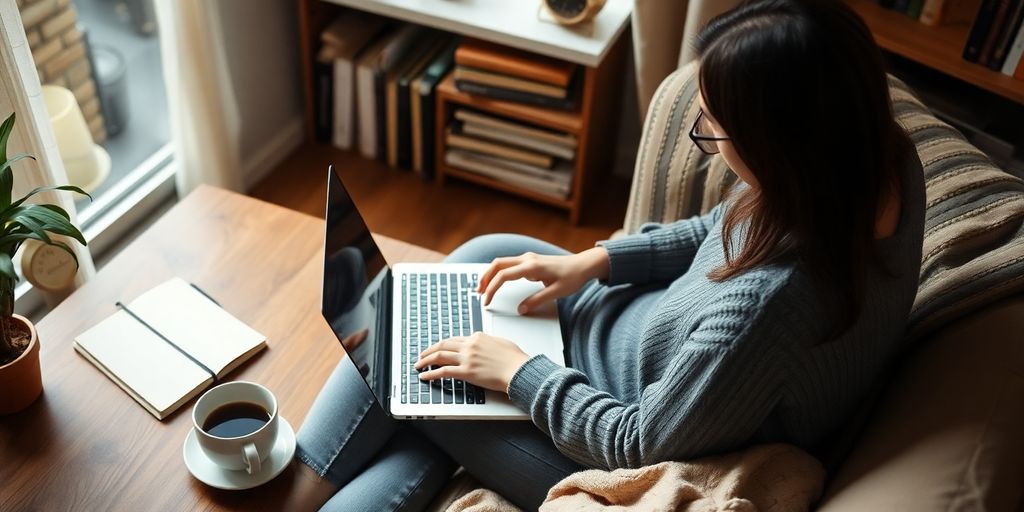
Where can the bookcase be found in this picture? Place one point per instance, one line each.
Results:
(940, 48)
(598, 47)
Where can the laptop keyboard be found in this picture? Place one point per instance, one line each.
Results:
(437, 306)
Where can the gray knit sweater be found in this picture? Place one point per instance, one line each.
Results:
(668, 365)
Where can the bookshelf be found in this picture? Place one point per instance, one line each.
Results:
(940, 48)
(597, 46)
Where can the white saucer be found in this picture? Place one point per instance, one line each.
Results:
(213, 475)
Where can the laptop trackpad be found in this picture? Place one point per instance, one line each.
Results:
(535, 335)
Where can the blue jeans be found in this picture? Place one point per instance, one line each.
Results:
(379, 463)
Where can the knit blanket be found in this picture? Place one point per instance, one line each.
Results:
(772, 477)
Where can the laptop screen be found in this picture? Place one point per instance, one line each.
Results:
(356, 288)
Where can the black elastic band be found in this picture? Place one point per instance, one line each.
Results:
(207, 295)
(169, 342)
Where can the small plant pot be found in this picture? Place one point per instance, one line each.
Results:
(20, 380)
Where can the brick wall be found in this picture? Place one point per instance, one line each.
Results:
(51, 27)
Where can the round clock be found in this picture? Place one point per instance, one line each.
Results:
(571, 12)
(47, 267)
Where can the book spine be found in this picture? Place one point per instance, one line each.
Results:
(324, 105)
(914, 9)
(404, 127)
(515, 96)
(998, 23)
(342, 136)
(427, 112)
(900, 5)
(1016, 52)
(979, 30)
(931, 12)
(888, 4)
(1006, 35)
(380, 97)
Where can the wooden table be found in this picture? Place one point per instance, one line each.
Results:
(86, 445)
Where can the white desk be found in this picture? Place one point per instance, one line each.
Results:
(511, 22)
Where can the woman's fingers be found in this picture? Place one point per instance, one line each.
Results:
(450, 344)
(496, 265)
(539, 299)
(453, 371)
(507, 274)
(438, 358)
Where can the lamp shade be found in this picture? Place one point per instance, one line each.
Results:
(87, 164)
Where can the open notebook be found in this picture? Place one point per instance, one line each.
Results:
(135, 346)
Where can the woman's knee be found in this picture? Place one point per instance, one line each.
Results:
(485, 248)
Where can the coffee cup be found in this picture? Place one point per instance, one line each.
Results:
(236, 425)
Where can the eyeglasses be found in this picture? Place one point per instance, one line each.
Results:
(698, 134)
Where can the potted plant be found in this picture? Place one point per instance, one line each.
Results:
(20, 379)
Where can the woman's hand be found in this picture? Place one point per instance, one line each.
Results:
(562, 275)
(481, 359)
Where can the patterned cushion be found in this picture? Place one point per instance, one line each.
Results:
(974, 222)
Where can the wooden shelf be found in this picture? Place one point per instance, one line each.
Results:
(940, 48)
(515, 23)
(570, 121)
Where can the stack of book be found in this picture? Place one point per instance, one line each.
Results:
(996, 39)
(375, 83)
(511, 152)
(504, 73)
(935, 12)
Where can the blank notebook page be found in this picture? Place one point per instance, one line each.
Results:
(154, 370)
(197, 325)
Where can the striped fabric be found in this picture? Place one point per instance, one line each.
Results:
(974, 228)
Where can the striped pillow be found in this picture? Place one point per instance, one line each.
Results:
(974, 222)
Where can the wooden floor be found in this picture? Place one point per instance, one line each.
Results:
(400, 205)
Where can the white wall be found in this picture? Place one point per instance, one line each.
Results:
(261, 43)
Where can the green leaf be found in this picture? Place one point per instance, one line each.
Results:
(5, 133)
(57, 209)
(7, 267)
(43, 217)
(37, 190)
(35, 227)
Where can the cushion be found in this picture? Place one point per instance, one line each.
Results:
(948, 433)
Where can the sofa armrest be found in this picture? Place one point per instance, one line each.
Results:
(948, 433)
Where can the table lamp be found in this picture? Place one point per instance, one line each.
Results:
(87, 164)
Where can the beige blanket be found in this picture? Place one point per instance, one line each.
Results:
(774, 477)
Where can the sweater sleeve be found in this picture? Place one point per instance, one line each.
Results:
(714, 394)
(658, 252)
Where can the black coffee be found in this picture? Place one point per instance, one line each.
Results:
(236, 419)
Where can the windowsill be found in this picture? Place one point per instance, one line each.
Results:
(111, 226)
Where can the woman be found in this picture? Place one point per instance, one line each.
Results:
(764, 320)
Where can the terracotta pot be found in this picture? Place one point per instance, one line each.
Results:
(20, 380)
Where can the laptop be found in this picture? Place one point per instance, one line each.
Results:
(384, 316)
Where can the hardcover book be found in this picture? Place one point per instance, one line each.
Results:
(500, 93)
(558, 186)
(424, 100)
(513, 62)
(457, 140)
(508, 82)
(566, 140)
(348, 36)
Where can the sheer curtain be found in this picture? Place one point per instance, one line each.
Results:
(205, 125)
(663, 33)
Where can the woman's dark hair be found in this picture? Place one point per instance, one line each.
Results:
(799, 86)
